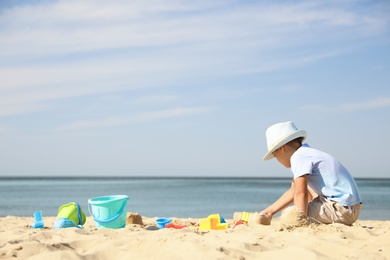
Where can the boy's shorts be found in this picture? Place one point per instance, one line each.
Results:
(327, 211)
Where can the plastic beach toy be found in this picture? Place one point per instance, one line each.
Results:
(73, 212)
(38, 222)
(70, 215)
(171, 225)
(161, 222)
(245, 217)
(63, 223)
(213, 222)
(109, 211)
(251, 218)
(243, 220)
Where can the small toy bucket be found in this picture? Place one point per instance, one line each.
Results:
(73, 212)
(109, 211)
(161, 222)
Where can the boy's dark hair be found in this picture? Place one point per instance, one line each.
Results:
(299, 140)
(296, 142)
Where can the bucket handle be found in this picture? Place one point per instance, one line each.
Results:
(79, 214)
(110, 219)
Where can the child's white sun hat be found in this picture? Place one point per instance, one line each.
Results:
(280, 134)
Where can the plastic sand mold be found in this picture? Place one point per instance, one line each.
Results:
(73, 212)
(244, 219)
(213, 222)
(175, 226)
(38, 222)
(70, 215)
(162, 222)
(63, 223)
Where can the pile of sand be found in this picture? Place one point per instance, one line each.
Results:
(363, 240)
(293, 217)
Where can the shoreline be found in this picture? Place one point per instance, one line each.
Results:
(366, 239)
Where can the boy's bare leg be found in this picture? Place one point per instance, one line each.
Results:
(311, 194)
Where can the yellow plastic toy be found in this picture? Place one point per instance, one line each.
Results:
(212, 222)
(245, 217)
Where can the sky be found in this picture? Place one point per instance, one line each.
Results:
(188, 88)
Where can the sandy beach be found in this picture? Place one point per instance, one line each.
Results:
(364, 240)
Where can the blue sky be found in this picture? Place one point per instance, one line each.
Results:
(188, 88)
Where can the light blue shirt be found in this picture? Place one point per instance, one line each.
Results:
(325, 175)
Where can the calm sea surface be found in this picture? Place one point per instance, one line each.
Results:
(169, 197)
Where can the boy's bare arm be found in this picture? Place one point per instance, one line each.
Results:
(286, 199)
(301, 193)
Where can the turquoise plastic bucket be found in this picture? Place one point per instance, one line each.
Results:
(109, 211)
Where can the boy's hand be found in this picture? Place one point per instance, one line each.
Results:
(259, 218)
(266, 213)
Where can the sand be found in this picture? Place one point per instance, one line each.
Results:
(290, 237)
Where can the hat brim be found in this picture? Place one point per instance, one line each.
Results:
(283, 141)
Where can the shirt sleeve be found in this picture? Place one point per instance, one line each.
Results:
(300, 165)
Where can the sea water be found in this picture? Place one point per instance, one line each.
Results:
(169, 197)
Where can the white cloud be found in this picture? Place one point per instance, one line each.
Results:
(141, 117)
(368, 104)
(351, 106)
(291, 89)
(314, 108)
(72, 26)
(4, 128)
(68, 49)
(153, 99)
(177, 112)
(18, 109)
(298, 60)
(377, 67)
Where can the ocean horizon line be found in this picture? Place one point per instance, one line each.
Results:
(88, 177)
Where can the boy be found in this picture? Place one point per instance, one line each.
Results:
(336, 198)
